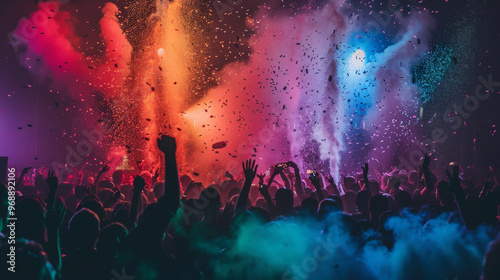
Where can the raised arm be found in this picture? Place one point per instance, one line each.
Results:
(365, 177)
(148, 235)
(298, 181)
(427, 176)
(331, 181)
(53, 183)
(315, 180)
(168, 146)
(21, 177)
(489, 182)
(264, 191)
(53, 220)
(103, 170)
(495, 179)
(250, 169)
(455, 187)
(276, 170)
(155, 176)
(285, 180)
(139, 184)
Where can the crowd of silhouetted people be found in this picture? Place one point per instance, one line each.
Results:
(286, 224)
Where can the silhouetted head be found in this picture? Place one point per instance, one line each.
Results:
(378, 204)
(95, 206)
(394, 183)
(444, 195)
(284, 200)
(84, 228)
(413, 177)
(110, 239)
(327, 206)
(362, 199)
(118, 177)
(348, 181)
(71, 203)
(403, 200)
(260, 213)
(254, 193)
(338, 200)
(261, 202)
(274, 188)
(374, 186)
(232, 192)
(332, 189)
(491, 268)
(105, 184)
(355, 187)
(488, 210)
(128, 192)
(211, 195)
(121, 212)
(310, 204)
(210, 200)
(81, 191)
(147, 212)
(104, 194)
(349, 202)
(184, 180)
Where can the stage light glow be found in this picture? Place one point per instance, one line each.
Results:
(357, 60)
(161, 52)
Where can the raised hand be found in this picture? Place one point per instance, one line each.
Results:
(139, 184)
(156, 175)
(167, 144)
(330, 180)
(228, 175)
(26, 169)
(263, 189)
(261, 178)
(53, 220)
(52, 181)
(454, 179)
(292, 165)
(250, 170)
(277, 169)
(314, 178)
(104, 169)
(463, 208)
(190, 187)
(365, 170)
(80, 177)
(21, 177)
(427, 162)
(55, 216)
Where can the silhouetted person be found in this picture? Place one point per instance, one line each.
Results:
(284, 201)
(378, 204)
(84, 231)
